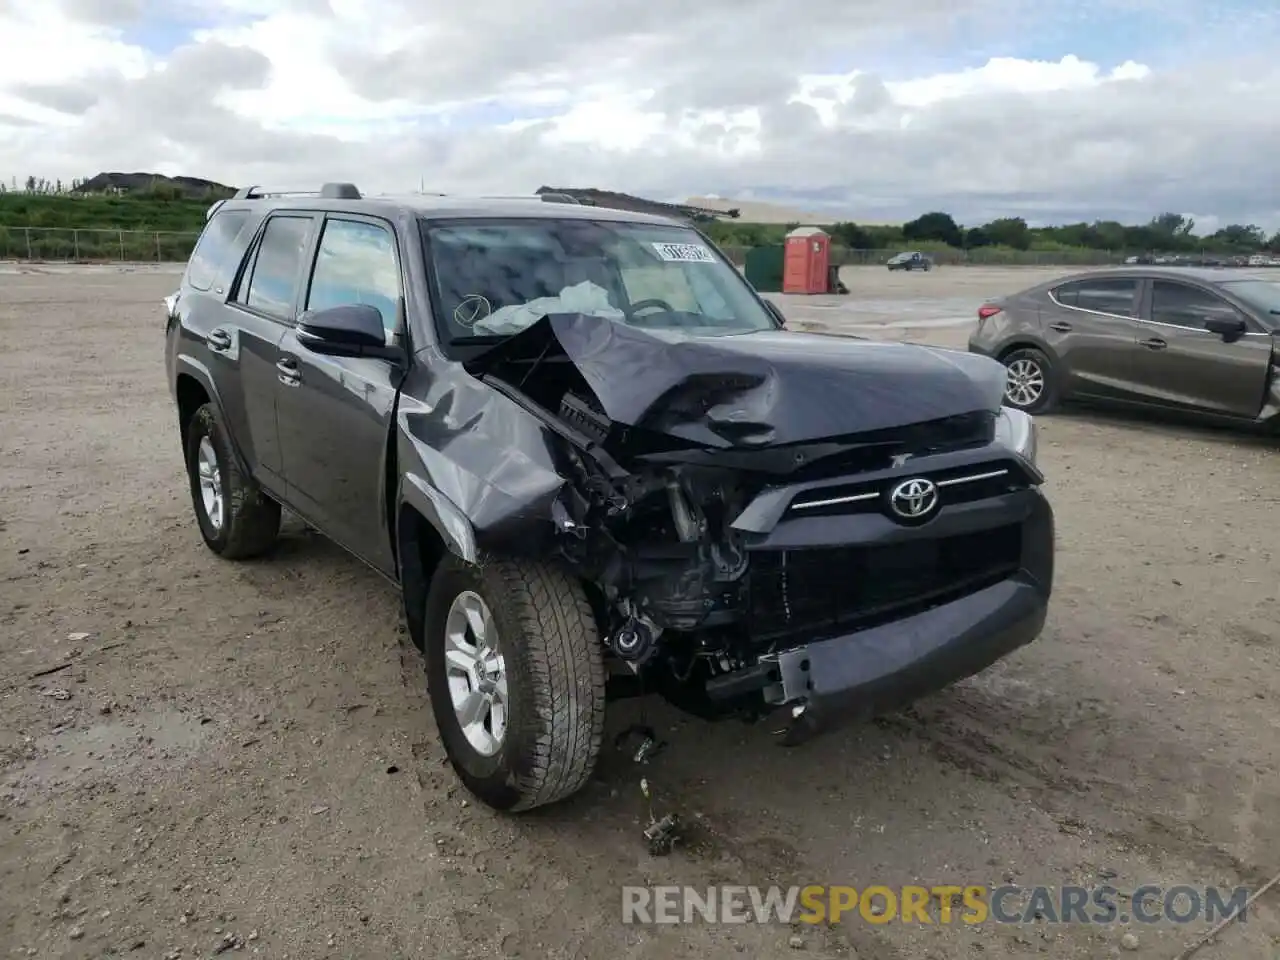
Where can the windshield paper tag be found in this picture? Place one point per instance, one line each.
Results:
(684, 253)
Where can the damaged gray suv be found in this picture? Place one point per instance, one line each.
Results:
(596, 465)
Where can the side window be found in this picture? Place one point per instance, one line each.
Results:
(1067, 294)
(1184, 306)
(1118, 297)
(215, 248)
(272, 285)
(356, 263)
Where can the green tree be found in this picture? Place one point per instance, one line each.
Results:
(935, 226)
(1240, 236)
(851, 235)
(1173, 225)
(1009, 232)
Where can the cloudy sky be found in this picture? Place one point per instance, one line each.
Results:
(1049, 109)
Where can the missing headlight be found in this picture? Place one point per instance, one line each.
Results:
(1017, 431)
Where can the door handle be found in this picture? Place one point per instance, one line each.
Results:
(1155, 343)
(287, 369)
(1060, 327)
(219, 339)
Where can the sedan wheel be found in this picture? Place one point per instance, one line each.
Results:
(1029, 383)
(1026, 382)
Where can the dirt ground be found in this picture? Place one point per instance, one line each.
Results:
(198, 755)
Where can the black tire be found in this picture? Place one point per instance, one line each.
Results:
(1047, 399)
(250, 520)
(555, 678)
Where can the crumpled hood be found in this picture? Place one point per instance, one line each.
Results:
(766, 388)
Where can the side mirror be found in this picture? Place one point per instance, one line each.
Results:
(352, 330)
(776, 311)
(1229, 328)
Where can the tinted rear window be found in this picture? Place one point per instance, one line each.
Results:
(1118, 296)
(216, 248)
(273, 285)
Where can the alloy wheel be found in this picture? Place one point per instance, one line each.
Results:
(1025, 382)
(210, 478)
(476, 673)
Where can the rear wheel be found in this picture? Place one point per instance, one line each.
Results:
(516, 677)
(237, 520)
(1030, 385)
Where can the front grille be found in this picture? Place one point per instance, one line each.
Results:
(979, 481)
(831, 590)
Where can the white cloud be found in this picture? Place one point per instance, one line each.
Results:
(663, 97)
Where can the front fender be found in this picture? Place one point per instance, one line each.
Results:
(478, 467)
(445, 517)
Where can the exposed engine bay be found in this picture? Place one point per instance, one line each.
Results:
(695, 505)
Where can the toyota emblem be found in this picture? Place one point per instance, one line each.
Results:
(914, 499)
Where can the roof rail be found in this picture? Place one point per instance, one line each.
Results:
(216, 205)
(329, 191)
(544, 197)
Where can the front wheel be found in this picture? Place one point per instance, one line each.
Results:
(516, 677)
(1030, 384)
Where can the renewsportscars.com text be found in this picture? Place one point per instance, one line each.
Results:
(969, 905)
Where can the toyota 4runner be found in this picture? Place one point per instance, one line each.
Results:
(596, 464)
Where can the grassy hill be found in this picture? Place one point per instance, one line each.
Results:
(73, 226)
(99, 212)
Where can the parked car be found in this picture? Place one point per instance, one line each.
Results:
(1194, 340)
(909, 261)
(580, 444)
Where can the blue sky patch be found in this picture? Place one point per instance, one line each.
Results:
(161, 35)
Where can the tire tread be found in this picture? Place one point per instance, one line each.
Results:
(253, 518)
(567, 670)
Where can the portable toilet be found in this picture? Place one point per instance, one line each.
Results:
(805, 262)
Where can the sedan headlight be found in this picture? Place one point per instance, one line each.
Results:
(1017, 431)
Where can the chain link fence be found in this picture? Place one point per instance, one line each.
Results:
(1004, 257)
(66, 245)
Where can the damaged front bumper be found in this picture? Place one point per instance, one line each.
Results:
(875, 671)
(855, 674)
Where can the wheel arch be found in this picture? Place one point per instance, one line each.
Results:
(428, 527)
(1023, 343)
(191, 396)
(192, 388)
